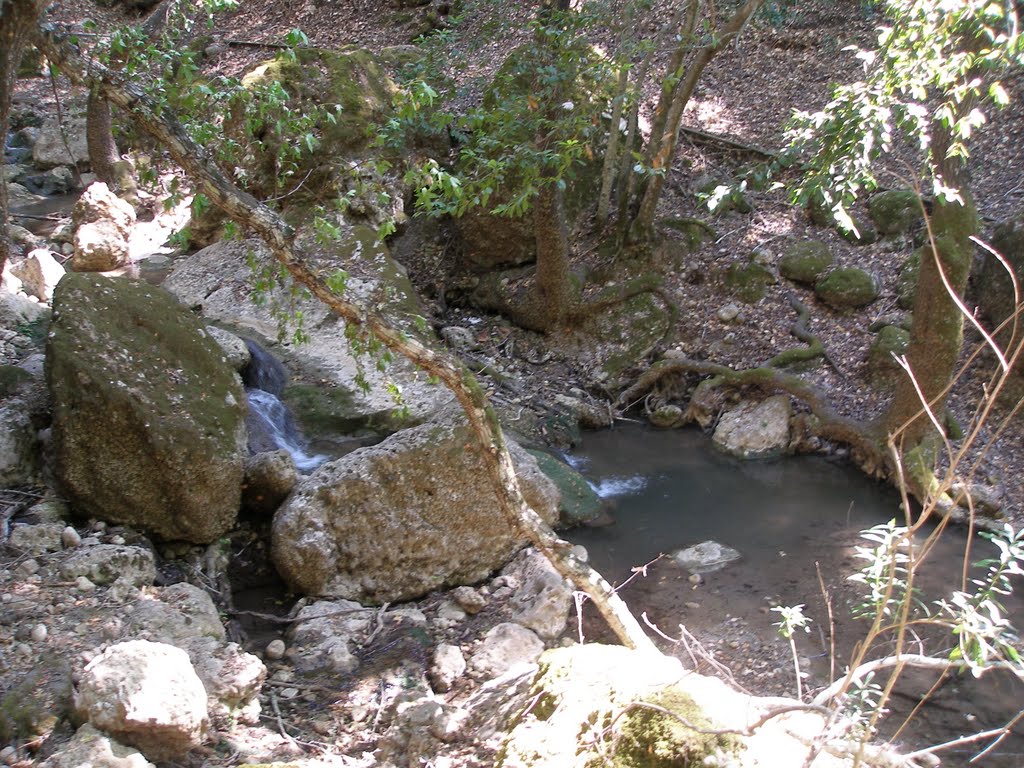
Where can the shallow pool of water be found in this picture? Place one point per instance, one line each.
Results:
(790, 519)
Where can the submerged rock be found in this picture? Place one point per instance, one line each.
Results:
(148, 418)
(396, 520)
(706, 557)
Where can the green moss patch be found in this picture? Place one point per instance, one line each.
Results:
(847, 288)
(652, 738)
(895, 211)
(748, 282)
(804, 262)
(579, 504)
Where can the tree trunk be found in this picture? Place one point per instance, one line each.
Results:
(278, 236)
(936, 335)
(17, 23)
(554, 294)
(642, 226)
(99, 136)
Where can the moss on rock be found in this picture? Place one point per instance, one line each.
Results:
(847, 288)
(579, 503)
(805, 261)
(906, 281)
(651, 738)
(895, 210)
(891, 340)
(748, 281)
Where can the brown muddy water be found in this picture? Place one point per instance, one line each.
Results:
(790, 519)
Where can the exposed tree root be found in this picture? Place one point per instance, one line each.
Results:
(867, 447)
(814, 347)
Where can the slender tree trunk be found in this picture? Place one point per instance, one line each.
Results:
(936, 336)
(17, 23)
(674, 73)
(99, 136)
(278, 236)
(611, 152)
(643, 223)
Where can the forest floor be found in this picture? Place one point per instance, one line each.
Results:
(746, 95)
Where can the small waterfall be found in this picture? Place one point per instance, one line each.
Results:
(270, 425)
(263, 371)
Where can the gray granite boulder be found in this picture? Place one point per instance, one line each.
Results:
(396, 520)
(148, 418)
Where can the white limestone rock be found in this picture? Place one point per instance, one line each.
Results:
(755, 430)
(146, 695)
(504, 647)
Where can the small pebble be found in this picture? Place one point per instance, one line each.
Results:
(39, 633)
(82, 584)
(728, 313)
(70, 538)
(469, 599)
(29, 567)
(696, 578)
(8, 755)
(118, 540)
(275, 649)
(289, 693)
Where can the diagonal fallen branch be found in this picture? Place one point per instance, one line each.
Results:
(280, 239)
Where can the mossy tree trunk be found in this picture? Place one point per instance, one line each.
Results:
(936, 337)
(253, 215)
(17, 23)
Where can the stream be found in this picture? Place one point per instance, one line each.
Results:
(667, 490)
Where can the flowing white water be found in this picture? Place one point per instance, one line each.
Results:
(270, 419)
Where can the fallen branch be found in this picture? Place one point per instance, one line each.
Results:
(916, 660)
(279, 237)
(725, 141)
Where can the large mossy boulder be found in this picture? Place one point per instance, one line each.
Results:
(847, 288)
(628, 701)
(805, 261)
(895, 211)
(148, 417)
(396, 520)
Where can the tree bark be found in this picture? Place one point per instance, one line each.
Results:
(642, 225)
(936, 336)
(554, 296)
(99, 137)
(17, 22)
(278, 236)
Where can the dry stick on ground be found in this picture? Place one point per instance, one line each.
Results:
(279, 237)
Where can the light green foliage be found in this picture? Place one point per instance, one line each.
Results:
(884, 573)
(983, 632)
(933, 71)
(791, 618)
